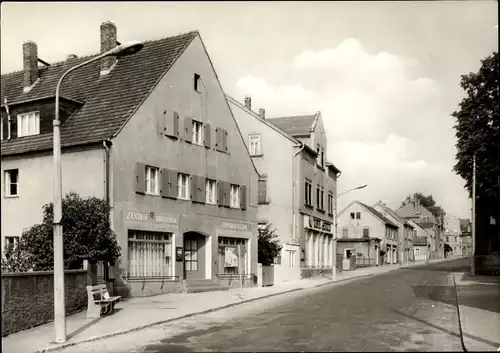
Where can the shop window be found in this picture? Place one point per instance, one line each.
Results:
(232, 256)
(292, 260)
(191, 255)
(149, 254)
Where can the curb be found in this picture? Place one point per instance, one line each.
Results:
(95, 338)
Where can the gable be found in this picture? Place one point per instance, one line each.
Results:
(299, 125)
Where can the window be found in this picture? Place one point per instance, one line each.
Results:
(197, 130)
(322, 158)
(447, 239)
(11, 241)
(149, 254)
(183, 186)
(308, 194)
(322, 200)
(254, 145)
(330, 204)
(210, 192)
(345, 233)
(417, 251)
(352, 215)
(11, 179)
(318, 157)
(28, 124)
(235, 196)
(151, 180)
(415, 233)
(358, 215)
(318, 198)
(191, 254)
(233, 257)
(366, 233)
(262, 191)
(197, 82)
(291, 258)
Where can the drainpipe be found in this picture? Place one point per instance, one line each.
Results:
(8, 118)
(107, 144)
(294, 212)
(334, 247)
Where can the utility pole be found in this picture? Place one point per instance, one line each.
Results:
(473, 264)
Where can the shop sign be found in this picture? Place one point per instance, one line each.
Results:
(327, 226)
(234, 226)
(317, 223)
(149, 217)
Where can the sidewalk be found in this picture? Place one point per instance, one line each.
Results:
(479, 307)
(139, 313)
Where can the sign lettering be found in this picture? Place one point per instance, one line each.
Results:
(145, 217)
(237, 226)
(137, 216)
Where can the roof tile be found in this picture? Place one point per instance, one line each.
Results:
(294, 125)
(108, 100)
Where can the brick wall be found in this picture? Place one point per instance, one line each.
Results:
(28, 298)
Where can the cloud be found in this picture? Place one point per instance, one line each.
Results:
(385, 125)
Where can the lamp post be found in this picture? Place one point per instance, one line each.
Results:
(59, 292)
(334, 247)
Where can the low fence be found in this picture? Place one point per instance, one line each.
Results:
(365, 262)
(28, 298)
(238, 281)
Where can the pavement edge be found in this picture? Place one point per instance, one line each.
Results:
(95, 338)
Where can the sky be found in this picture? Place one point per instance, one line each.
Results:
(385, 75)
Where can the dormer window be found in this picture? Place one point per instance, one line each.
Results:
(28, 124)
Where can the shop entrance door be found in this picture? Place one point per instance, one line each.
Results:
(194, 257)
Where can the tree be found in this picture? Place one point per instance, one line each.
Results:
(268, 245)
(86, 231)
(477, 132)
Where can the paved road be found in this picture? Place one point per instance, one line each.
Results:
(406, 310)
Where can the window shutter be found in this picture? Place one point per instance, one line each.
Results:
(207, 136)
(201, 189)
(243, 197)
(227, 193)
(188, 129)
(5, 127)
(161, 122)
(165, 186)
(140, 178)
(220, 193)
(262, 191)
(223, 140)
(193, 180)
(176, 124)
(172, 183)
(218, 139)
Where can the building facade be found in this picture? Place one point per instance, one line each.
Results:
(419, 235)
(164, 150)
(405, 232)
(297, 187)
(359, 221)
(452, 234)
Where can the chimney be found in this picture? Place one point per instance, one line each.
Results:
(248, 103)
(108, 42)
(262, 113)
(30, 64)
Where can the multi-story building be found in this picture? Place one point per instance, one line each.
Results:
(466, 234)
(364, 232)
(452, 234)
(405, 232)
(422, 241)
(153, 134)
(297, 187)
(414, 211)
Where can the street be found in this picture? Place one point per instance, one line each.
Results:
(411, 309)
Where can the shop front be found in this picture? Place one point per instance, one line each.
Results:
(317, 247)
(163, 252)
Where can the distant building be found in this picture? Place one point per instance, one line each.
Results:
(452, 234)
(363, 232)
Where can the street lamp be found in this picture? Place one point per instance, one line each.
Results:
(59, 292)
(334, 247)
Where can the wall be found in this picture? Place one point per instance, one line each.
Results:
(141, 141)
(420, 252)
(82, 172)
(355, 226)
(276, 164)
(28, 298)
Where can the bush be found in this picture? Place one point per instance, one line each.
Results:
(87, 235)
(268, 245)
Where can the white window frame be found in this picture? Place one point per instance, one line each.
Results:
(254, 145)
(197, 133)
(150, 254)
(183, 186)
(28, 124)
(8, 183)
(152, 180)
(210, 192)
(292, 259)
(235, 196)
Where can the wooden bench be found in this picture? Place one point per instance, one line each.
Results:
(99, 301)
